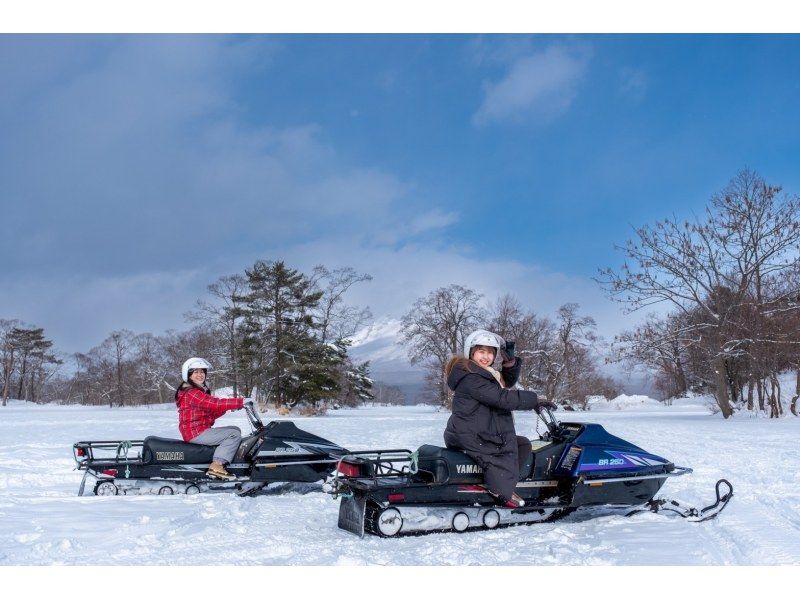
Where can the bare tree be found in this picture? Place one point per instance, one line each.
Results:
(223, 315)
(116, 347)
(388, 394)
(93, 380)
(44, 366)
(660, 345)
(714, 272)
(7, 354)
(335, 318)
(151, 368)
(435, 328)
(534, 336)
(569, 363)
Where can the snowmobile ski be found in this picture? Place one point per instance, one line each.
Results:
(668, 505)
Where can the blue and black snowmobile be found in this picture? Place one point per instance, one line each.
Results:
(276, 452)
(572, 466)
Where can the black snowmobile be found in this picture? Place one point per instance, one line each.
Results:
(276, 452)
(572, 465)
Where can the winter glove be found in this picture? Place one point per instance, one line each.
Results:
(549, 405)
(507, 353)
(249, 404)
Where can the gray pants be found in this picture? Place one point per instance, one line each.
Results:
(228, 439)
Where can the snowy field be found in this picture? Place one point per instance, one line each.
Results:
(43, 521)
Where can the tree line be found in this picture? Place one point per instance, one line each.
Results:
(273, 333)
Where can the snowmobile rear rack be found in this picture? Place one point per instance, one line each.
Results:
(369, 467)
(84, 451)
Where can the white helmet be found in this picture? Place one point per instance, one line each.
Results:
(194, 363)
(485, 338)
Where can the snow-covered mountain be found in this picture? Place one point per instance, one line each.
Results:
(379, 343)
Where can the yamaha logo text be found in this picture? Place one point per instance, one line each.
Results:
(177, 456)
(468, 469)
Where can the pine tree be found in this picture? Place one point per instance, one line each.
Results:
(34, 355)
(361, 385)
(318, 373)
(282, 353)
(355, 384)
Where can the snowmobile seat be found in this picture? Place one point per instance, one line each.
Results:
(442, 465)
(168, 450)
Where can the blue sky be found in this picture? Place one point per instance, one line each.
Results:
(135, 170)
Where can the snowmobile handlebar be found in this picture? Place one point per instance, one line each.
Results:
(252, 415)
(550, 421)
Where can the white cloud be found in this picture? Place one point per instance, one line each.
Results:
(539, 86)
(413, 227)
(433, 220)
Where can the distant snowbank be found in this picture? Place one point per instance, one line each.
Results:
(624, 402)
(645, 403)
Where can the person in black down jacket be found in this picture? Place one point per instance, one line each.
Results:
(482, 424)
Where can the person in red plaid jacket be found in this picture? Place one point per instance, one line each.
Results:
(197, 412)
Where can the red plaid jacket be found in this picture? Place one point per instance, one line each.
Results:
(198, 410)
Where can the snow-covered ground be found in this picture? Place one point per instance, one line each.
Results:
(42, 521)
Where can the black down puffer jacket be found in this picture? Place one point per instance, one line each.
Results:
(482, 425)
